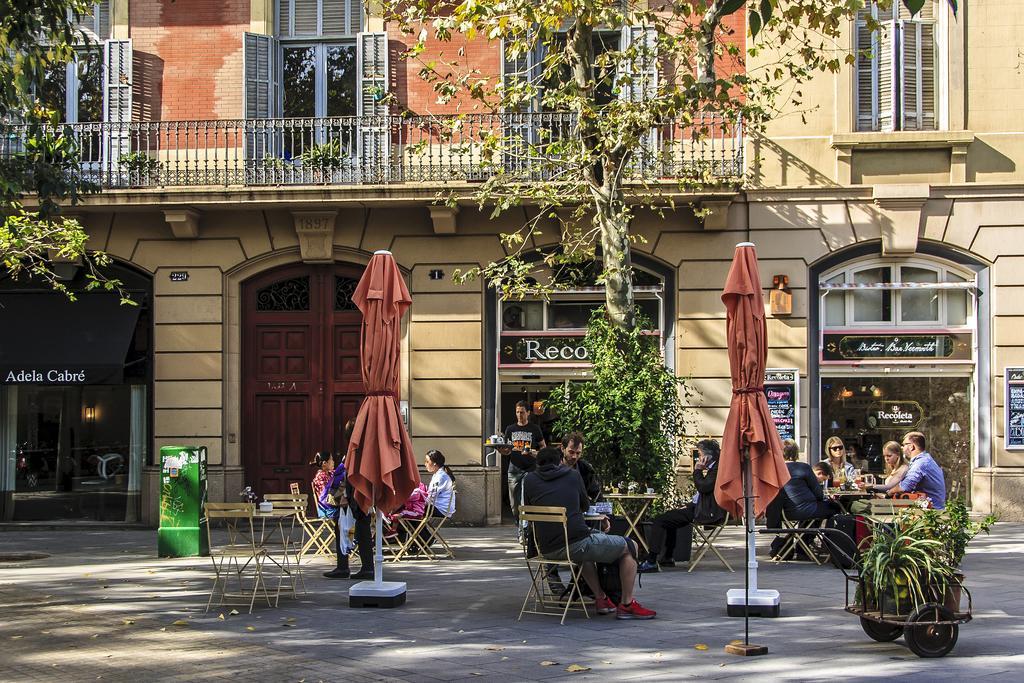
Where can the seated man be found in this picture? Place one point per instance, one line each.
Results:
(553, 484)
(924, 474)
(802, 497)
(702, 510)
(572, 456)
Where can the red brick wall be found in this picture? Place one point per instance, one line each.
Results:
(188, 58)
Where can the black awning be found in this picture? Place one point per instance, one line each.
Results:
(47, 339)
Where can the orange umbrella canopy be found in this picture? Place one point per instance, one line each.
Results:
(380, 462)
(749, 426)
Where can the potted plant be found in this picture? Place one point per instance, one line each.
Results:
(904, 567)
(140, 167)
(954, 530)
(324, 159)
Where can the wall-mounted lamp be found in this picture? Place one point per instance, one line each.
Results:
(846, 393)
(780, 300)
(89, 413)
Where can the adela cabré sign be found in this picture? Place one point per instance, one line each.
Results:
(44, 376)
(944, 346)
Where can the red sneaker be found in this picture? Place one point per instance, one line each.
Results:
(604, 605)
(634, 610)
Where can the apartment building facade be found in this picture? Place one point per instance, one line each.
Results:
(251, 166)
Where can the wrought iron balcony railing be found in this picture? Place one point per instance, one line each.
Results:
(380, 150)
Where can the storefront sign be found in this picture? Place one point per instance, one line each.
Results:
(57, 375)
(532, 350)
(845, 347)
(782, 389)
(1014, 438)
(894, 414)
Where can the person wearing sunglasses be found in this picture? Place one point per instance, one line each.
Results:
(835, 454)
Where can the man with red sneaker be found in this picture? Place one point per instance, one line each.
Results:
(553, 484)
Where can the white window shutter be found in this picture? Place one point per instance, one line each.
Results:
(886, 92)
(867, 74)
(117, 101)
(642, 73)
(259, 56)
(910, 70)
(929, 104)
(374, 124)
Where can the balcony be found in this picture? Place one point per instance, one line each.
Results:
(383, 150)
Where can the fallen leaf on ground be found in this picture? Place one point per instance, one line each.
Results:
(16, 637)
(548, 662)
(504, 658)
(221, 616)
(475, 673)
(95, 635)
(180, 622)
(576, 668)
(291, 619)
(250, 628)
(287, 625)
(700, 646)
(127, 622)
(606, 661)
(233, 612)
(495, 648)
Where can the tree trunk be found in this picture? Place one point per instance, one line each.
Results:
(706, 76)
(618, 288)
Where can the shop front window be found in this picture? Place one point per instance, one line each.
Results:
(867, 412)
(873, 305)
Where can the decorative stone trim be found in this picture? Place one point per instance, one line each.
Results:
(184, 223)
(956, 141)
(716, 214)
(900, 226)
(444, 219)
(315, 230)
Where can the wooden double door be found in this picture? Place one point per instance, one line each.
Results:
(301, 374)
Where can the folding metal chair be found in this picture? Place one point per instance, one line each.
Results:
(794, 541)
(544, 599)
(420, 533)
(319, 531)
(242, 553)
(707, 534)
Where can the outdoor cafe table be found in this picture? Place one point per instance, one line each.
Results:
(845, 498)
(633, 507)
(274, 537)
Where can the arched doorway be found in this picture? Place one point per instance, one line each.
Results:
(301, 378)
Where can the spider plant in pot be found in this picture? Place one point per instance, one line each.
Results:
(954, 530)
(904, 568)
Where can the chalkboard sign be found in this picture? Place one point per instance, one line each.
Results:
(782, 389)
(1014, 437)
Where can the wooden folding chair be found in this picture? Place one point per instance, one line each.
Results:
(544, 599)
(794, 541)
(243, 552)
(707, 535)
(319, 532)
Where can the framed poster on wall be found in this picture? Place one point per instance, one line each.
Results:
(1014, 399)
(782, 389)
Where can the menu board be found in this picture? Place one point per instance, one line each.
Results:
(782, 389)
(1014, 437)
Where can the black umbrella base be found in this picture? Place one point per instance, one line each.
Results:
(383, 594)
(770, 611)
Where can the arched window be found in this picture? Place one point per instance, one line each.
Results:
(897, 293)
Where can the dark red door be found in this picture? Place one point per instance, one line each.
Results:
(301, 378)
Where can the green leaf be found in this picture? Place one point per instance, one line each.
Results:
(731, 6)
(766, 10)
(914, 6)
(754, 19)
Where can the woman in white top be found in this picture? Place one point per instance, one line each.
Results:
(441, 492)
(835, 454)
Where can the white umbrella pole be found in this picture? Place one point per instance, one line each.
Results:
(748, 503)
(378, 565)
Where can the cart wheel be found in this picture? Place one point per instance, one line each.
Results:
(883, 633)
(924, 637)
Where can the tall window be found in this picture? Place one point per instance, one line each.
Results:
(906, 293)
(897, 82)
(75, 90)
(318, 56)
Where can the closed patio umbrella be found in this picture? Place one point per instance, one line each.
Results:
(381, 464)
(751, 469)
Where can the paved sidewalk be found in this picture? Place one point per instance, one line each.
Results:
(103, 606)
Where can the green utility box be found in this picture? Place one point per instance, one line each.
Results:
(182, 530)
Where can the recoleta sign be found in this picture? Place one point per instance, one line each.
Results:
(522, 350)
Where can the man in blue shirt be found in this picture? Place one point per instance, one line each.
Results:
(924, 476)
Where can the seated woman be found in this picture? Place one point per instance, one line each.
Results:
(896, 467)
(441, 492)
(702, 510)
